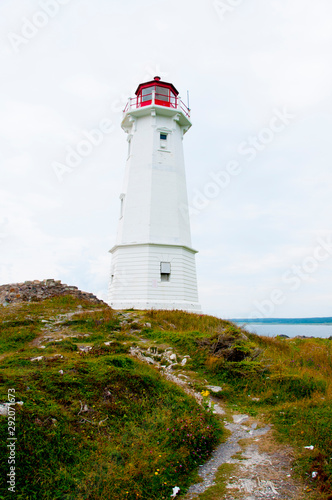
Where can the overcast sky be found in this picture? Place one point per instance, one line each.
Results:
(258, 156)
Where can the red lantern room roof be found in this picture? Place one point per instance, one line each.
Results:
(160, 83)
(162, 96)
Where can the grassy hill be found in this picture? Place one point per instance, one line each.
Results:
(97, 423)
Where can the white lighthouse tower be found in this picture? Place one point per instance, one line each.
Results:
(153, 262)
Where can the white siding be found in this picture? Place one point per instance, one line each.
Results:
(137, 281)
(154, 226)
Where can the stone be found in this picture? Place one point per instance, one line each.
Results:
(31, 291)
(149, 360)
(85, 348)
(3, 409)
(238, 419)
(214, 388)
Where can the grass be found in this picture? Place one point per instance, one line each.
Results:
(100, 424)
(126, 440)
(96, 424)
(287, 380)
(218, 490)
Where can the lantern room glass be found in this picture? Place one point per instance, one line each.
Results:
(163, 96)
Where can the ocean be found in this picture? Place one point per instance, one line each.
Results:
(272, 330)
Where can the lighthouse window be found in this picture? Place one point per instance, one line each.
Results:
(165, 271)
(162, 94)
(122, 196)
(163, 141)
(147, 94)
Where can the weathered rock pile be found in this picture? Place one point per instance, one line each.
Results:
(31, 291)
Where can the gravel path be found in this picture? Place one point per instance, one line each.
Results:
(262, 468)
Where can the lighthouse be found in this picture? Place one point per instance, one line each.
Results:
(153, 262)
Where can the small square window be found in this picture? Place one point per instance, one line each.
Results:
(165, 271)
(165, 267)
(163, 140)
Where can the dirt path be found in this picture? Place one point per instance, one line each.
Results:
(250, 464)
(260, 468)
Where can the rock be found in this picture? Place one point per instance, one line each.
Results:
(170, 367)
(173, 357)
(38, 358)
(85, 348)
(214, 388)
(4, 409)
(238, 419)
(149, 360)
(30, 291)
(184, 361)
(61, 372)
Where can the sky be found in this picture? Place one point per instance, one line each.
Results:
(258, 156)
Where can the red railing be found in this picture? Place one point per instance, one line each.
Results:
(157, 99)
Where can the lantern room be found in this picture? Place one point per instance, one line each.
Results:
(158, 92)
(162, 97)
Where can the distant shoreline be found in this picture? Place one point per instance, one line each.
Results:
(284, 321)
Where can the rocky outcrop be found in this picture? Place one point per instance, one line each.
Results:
(32, 291)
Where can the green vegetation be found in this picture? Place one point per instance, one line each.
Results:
(95, 424)
(287, 380)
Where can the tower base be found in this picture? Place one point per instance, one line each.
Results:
(153, 276)
(193, 307)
